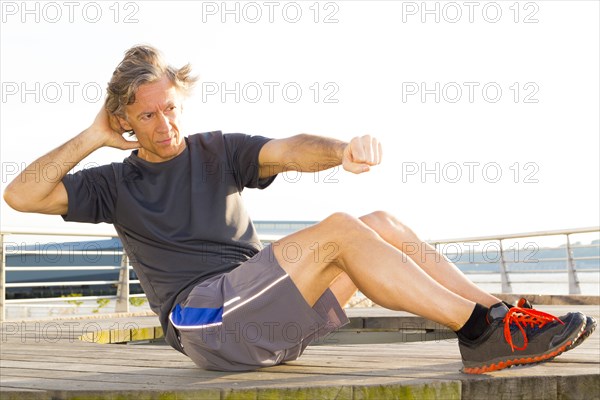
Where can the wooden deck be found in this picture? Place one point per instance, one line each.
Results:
(46, 360)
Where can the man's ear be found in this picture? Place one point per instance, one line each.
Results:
(124, 124)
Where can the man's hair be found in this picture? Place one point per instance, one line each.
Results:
(143, 64)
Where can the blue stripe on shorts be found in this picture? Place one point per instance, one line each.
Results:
(192, 317)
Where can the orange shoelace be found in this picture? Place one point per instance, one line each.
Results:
(523, 317)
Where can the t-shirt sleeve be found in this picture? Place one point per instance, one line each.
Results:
(242, 153)
(91, 195)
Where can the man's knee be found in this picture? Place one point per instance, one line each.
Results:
(341, 225)
(385, 224)
(340, 219)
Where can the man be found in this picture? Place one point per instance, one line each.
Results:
(222, 299)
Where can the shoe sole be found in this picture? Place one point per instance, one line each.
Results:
(590, 326)
(526, 360)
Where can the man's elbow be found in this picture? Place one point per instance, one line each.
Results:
(17, 201)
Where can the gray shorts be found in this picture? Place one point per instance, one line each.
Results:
(252, 317)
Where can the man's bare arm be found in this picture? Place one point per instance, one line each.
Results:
(309, 153)
(33, 191)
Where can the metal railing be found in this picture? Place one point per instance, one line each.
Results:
(569, 259)
(123, 283)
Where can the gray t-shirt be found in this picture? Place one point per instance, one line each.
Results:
(180, 221)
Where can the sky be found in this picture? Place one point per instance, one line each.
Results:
(488, 112)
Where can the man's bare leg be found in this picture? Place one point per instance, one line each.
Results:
(425, 256)
(316, 256)
(343, 289)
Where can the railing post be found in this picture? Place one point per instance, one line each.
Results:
(2, 279)
(504, 279)
(123, 288)
(572, 272)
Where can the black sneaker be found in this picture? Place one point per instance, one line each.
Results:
(518, 336)
(590, 323)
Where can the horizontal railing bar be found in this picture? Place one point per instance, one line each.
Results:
(80, 268)
(134, 281)
(536, 282)
(494, 262)
(481, 272)
(537, 261)
(491, 262)
(272, 237)
(475, 262)
(42, 299)
(80, 306)
(138, 295)
(518, 235)
(554, 248)
(47, 232)
(452, 255)
(508, 252)
(97, 252)
(74, 283)
(106, 268)
(560, 259)
(543, 271)
(549, 271)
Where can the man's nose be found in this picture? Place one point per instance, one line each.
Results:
(164, 125)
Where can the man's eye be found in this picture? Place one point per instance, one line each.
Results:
(146, 116)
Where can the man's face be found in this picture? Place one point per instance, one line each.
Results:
(154, 117)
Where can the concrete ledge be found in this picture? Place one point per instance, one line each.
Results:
(538, 387)
(551, 299)
(431, 390)
(582, 387)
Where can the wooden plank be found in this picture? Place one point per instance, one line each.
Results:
(439, 350)
(123, 352)
(56, 380)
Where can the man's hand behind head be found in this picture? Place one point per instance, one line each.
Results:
(110, 132)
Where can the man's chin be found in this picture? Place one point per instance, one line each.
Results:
(170, 152)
